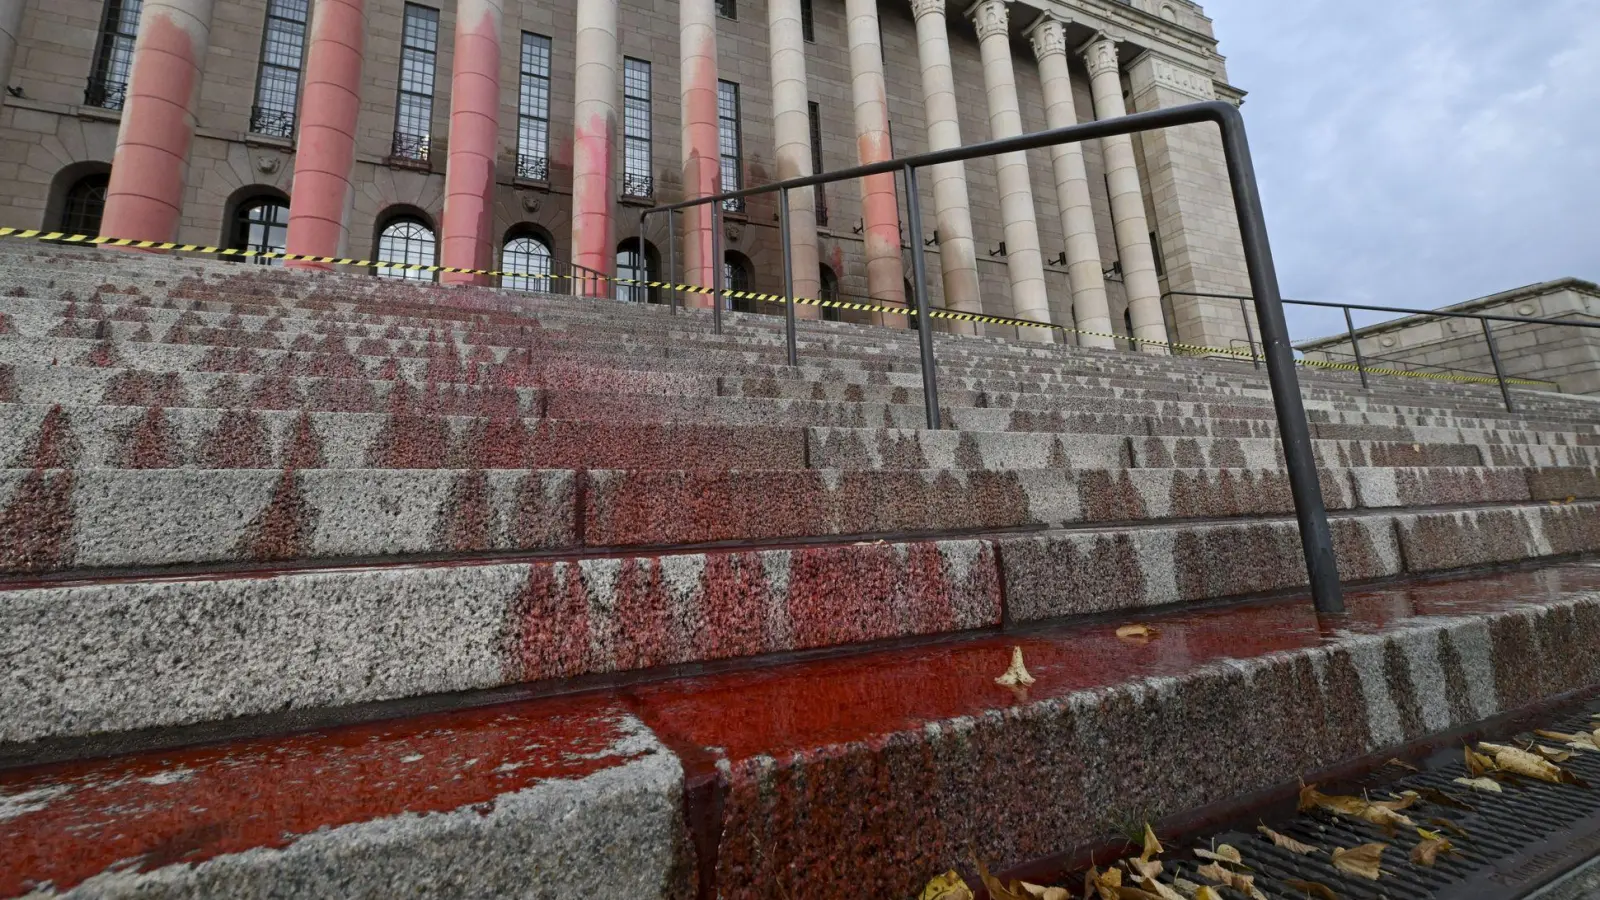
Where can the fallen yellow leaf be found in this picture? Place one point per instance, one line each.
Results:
(1206, 892)
(1477, 763)
(1313, 889)
(949, 886)
(1286, 842)
(1145, 868)
(997, 889)
(1426, 852)
(1481, 784)
(1552, 754)
(1449, 826)
(1379, 814)
(1160, 890)
(1394, 761)
(1036, 892)
(1223, 853)
(1152, 847)
(1137, 634)
(1360, 861)
(1403, 802)
(1017, 674)
(1427, 835)
(1434, 795)
(1521, 762)
(1229, 878)
(1581, 741)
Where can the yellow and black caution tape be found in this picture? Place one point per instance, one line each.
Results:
(948, 314)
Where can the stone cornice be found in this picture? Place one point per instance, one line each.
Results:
(1155, 69)
(1127, 24)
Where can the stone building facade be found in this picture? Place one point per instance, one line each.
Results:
(1570, 357)
(528, 136)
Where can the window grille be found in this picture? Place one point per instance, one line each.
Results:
(113, 55)
(283, 45)
(533, 109)
(729, 143)
(419, 48)
(636, 178)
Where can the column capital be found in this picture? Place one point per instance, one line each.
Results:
(991, 18)
(1048, 36)
(1100, 54)
(920, 8)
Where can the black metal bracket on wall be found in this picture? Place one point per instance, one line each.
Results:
(1316, 536)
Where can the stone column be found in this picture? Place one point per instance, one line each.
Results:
(325, 148)
(594, 137)
(702, 155)
(958, 253)
(466, 237)
(1029, 299)
(1194, 212)
(791, 132)
(1127, 200)
(150, 167)
(10, 31)
(1090, 309)
(880, 210)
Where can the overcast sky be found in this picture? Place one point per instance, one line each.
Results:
(1421, 152)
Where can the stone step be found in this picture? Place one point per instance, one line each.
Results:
(810, 777)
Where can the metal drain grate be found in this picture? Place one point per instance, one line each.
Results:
(1517, 840)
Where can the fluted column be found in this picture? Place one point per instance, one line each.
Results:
(594, 137)
(791, 132)
(702, 159)
(1127, 199)
(467, 241)
(880, 211)
(958, 253)
(10, 30)
(325, 148)
(1090, 309)
(150, 167)
(1029, 299)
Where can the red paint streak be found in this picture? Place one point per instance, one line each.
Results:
(150, 443)
(283, 530)
(592, 195)
(54, 446)
(239, 441)
(37, 523)
(325, 151)
(188, 806)
(303, 448)
(466, 521)
(474, 108)
(8, 383)
(550, 620)
(146, 190)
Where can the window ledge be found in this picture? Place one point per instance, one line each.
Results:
(100, 114)
(636, 200)
(268, 140)
(403, 162)
(530, 184)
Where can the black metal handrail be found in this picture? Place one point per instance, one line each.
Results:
(1315, 535)
(272, 122)
(105, 93)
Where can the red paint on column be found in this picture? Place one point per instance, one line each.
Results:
(145, 196)
(474, 108)
(326, 149)
(592, 197)
(702, 171)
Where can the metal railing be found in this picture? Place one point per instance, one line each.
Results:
(533, 168)
(272, 122)
(1361, 359)
(410, 146)
(105, 94)
(1315, 535)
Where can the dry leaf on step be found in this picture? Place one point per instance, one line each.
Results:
(949, 886)
(1355, 807)
(1521, 762)
(1312, 889)
(1137, 634)
(1017, 674)
(1402, 764)
(1580, 741)
(1128, 892)
(1552, 754)
(1036, 892)
(1159, 889)
(1481, 784)
(1477, 763)
(997, 889)
(1360, 861)
(1239, 881)
(1206, 892)
(1434, 795)
(1144, 868)
(1426, 852)
(1286, 842)
(1223, 853)
(1152, 847)
(1449, 826)
(1404, 801)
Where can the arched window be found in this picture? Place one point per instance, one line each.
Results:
(631, 268)
(85, 204)
(261, 225)
(409, 241)
(530, 260)
(830, 291)
(736, 277)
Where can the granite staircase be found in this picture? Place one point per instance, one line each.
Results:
(317, 585)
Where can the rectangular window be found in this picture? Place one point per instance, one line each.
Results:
(533, 109)
(727, 9)
(419, 46)
(636, 178)
(283, 46)
(808, 22)
(816, 163)
(729, 142)
(113, 55)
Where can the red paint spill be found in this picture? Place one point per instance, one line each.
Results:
(550, 621)
(187, 806)
(54, 446)
(37, 523)
(150, 443)
(239, 441)
(283, 530)
(466, 523)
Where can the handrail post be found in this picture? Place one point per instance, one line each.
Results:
(1355, 347)
(1316, 537)
(919, 272)
(788, 278)
(1499, 373)
(716, 267)
(672, 261)
(1249, 334)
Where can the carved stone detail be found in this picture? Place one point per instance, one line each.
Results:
(991, 18)
(1049, 38)
(1153, 69)
(920, 8)
(1100, 55)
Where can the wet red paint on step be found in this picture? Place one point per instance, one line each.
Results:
(70, 822)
